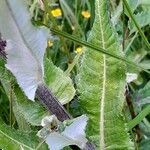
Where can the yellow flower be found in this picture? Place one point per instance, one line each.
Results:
(78, 50)
(56, 12)
(50, 43)
(86, 14)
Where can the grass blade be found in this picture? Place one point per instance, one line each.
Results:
(136, 24)
(139, 117)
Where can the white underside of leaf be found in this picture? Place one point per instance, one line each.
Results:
(73, 134)
(131, 77)
(24, 67)
(25, 50)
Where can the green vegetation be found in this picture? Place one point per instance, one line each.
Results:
(91, 56)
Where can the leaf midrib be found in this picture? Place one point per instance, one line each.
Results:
(102, 100)
(19, 143)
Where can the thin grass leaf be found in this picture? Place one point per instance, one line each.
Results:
(139, 117)
(96, 48)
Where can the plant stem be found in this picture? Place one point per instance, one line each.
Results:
(71, 66)
(129, 45)
(56, 108)
(51, 103)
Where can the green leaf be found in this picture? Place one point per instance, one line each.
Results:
(143, 95)
(32, 112)
(134, 4)
(101, 84)
(11, 139)
(26, 45)
(138, 55)
(59, 83)
(145, 2)
(144, 145)
(142, 19)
